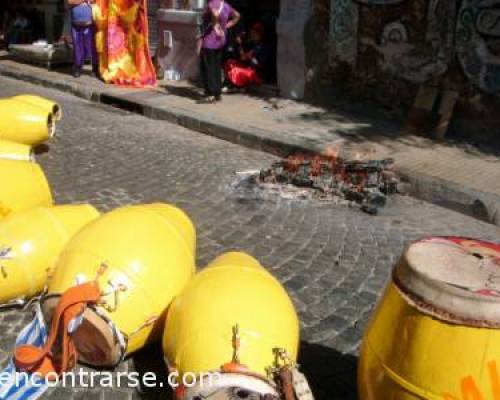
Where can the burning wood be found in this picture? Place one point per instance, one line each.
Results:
(365, 182)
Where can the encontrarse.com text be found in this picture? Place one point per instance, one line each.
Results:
(106, 379)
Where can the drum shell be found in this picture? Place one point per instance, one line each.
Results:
(25, 123)
(234, 290)
(36, 237)
(408, 355)
(45, 104)
(145, 248)
(15, 151)
(23, 185)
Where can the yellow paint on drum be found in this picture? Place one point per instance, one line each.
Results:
(410, 354)
(45, 104)
(234, 290)
(31, 241)
(15, 151)
(147, 249)
(22, 185)
(25, 123)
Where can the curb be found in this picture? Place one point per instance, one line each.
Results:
(475, 203)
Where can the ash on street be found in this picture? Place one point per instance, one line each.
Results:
(333, 260)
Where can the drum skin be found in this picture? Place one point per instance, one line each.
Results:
(15, 151)
(23, 185)
(31, 241)
(148, 249)
(25, 123)
(43, 103)
(408, 355)
(233, 290)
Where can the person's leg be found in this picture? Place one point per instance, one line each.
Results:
(93, 50)
(204, 71)
(78, 50)
(213, 73)
(217, 68)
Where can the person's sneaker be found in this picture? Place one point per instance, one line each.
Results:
(207, 100)
(77, 73)
(218, 98)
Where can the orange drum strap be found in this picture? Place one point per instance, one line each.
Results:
(43, 360)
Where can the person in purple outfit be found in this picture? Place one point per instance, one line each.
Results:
(83, 35)
(218, 17)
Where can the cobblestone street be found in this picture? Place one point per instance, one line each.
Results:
(333, 260)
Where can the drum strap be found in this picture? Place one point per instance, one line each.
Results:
(59, 353)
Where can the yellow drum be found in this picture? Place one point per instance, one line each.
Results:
(43, 103)
(22, 185)
(231, 319)
(142, 257)
(25, 123)
(30, 242)
(16, 151)
(436, 332)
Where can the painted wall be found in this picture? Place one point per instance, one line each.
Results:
(399, 44)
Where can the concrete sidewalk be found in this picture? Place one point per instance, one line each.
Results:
(456, 174)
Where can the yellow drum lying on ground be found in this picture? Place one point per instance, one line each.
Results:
(232, 314)
(25, 123)
(31, 241)
(436, 333)
(142, 257)
(16, 151)
(43, 103)
(22, 185)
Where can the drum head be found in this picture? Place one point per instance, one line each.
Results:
(94, 339)
(454, 279)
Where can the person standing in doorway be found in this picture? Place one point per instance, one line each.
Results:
(218, 18)
(83, 35)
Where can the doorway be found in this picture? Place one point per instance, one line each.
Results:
(264, 11)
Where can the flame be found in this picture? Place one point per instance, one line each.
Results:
(331, 152)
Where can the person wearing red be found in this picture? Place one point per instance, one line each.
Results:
(250, 68)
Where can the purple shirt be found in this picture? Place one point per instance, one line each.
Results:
(210, 38)
(81, 14)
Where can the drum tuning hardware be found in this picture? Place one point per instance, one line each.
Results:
(149, 322)
(236, 344)
(282, 358)
(102, 269)
(117, 289)
(13, 304)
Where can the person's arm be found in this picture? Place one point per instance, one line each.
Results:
(75, 2)
(233, 21)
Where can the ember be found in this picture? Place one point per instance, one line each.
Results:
(364, 182)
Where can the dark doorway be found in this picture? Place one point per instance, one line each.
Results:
(266, 12)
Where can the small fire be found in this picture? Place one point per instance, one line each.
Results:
(331, 152)
(359, 179)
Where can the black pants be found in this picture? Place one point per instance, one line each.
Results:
(211, 71)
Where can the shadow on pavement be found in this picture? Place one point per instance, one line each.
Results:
(150, 360)
(189, 92)
(332, 375)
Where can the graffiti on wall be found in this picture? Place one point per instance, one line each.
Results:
(344, 30)
(418, 40)
(478, 42)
